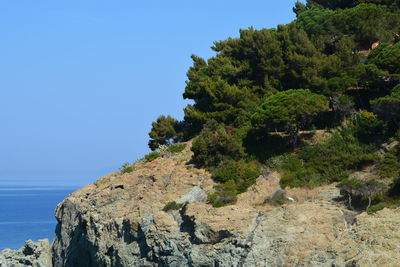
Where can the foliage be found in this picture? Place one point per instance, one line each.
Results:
(224, 194)
(389, 165)
(365, 23)
(234, 178)
(395, 187)
(164, 131)
(176, 148)
(326, 162)
(248, 104)
(242, 173)
(173, 206)
(388, 107)
(367, 127)
(386, 57)
(343, 105)
(332, 4)
(390, 203)
(214, 144)
(152, 156)
(364, 188)
(261, 146)
(377, 207)
(126, 168)
(290, 109)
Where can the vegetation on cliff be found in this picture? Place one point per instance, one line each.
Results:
(335, 68)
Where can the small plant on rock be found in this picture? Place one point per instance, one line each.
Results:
(176, 148)
(152, 156)
(126, 168)
(172, 205)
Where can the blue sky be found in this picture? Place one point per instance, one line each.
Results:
(82, 80)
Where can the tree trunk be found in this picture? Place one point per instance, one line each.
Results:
(369, 202)
(350, 206)
(293, 138)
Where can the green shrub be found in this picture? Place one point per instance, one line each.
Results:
(330, 161)
(152, 156)
(386, 202)
(234, 178)
(367, 127)
(215, 144)
(377, 207)
(389, 165)
(172, 205)
(243, 174)
(176, 148)
(301, 177)
(224, 194)
(126, 168)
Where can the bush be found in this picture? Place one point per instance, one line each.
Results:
(389, 165)
(367, 127)
(176, 148)
(235, 178)
(216, 144)
(126, 168)
(224, 194)
(302, 177)
(243, 174)
(327, 162)
(377, 207)
(152, 156)
(173, 206)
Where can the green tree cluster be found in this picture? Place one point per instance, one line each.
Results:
(291, 110)
(336, 66)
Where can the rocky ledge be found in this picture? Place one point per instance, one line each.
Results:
(35, 254)
(121, 220)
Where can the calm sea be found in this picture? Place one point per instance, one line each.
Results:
(28, 213)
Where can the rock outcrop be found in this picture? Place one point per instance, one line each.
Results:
(119, 221)
(35, 254)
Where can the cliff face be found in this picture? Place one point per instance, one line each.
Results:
(118, 221)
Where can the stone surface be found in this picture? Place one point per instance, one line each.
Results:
(118, 221)
(36, 254)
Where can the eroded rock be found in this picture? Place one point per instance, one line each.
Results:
(106, 225)
(35, 254)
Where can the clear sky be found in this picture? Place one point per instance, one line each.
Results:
(82, 80)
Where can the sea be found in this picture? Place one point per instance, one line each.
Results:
(27, 212)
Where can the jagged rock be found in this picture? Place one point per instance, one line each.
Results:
(195, 195)
(36, 254)
(101, 226)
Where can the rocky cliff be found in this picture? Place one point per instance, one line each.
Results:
(120, 221)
